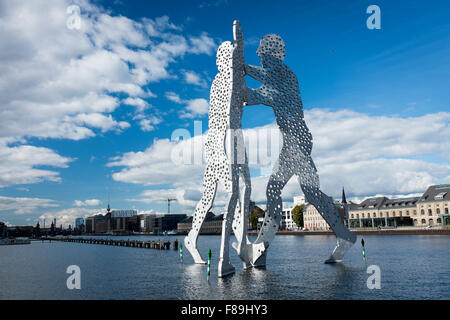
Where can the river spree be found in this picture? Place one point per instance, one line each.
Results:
(412, 267)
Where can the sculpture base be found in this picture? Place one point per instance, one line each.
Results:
(188, 244)
(261, 261)
(225, 269)
(331, 261)
(342, 247)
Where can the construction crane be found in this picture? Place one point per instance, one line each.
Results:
(168, 203)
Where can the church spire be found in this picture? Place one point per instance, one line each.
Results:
(108, 210)
(344, 200)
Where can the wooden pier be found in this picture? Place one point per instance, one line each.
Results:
(159, 245)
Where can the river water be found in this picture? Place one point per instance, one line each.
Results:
(412, 267)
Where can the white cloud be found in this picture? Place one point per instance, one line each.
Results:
(174, 97)
(56, 73)
(148, 124)
(154, 166)
(184, 197)
(24, 205)
(202, 44)
(87, 203)
(139, 103)
(18, 164)
(67, 217)
(366, 154)
(63, 83)
(194, 107)
(191, 77)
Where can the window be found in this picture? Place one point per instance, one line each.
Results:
(352, 216)
(407, 212)
(400, 213)
(438, 220)
(440, 196)
(422, 212)
(423, 221)
(393, 213)
(363, 215)
(415, 212)
(430, 213)
(446, 210)
(357, 216)
(438, 211)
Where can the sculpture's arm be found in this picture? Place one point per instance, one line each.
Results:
(254, 97)
(238, 52)
(257, 73)
(238, 36)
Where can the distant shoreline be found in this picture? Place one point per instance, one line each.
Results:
(310, 233)
(368, 232)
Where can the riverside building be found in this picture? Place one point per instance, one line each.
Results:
(211, 225)
(430, 209)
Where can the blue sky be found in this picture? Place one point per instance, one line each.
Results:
(376, 101)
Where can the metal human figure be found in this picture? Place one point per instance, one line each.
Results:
(225, 113)
(280, 90)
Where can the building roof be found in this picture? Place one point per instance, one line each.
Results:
(440, 192)
(371, 203)
(209, 217)
(400, 203)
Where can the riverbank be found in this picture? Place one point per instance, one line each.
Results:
(397, 231)
(368, 232)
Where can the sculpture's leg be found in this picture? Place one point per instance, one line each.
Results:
(309, 183)
(240, 223)
(272, 218)
(205, 204)
(225, 267)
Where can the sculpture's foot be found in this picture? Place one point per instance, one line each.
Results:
(189, 245)
(244, 252)
(342, 247)
(261, 261)
(259, 254)
(225, 269)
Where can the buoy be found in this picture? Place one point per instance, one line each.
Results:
(363, 249)
(209, 263)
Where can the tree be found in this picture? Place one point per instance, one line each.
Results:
(297, 215)
(253, 219)
(256, 213)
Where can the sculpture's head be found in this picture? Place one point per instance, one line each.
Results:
(271, 50)
(224, 56)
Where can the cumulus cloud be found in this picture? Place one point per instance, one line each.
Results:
(367, 154)
(191, 77)
(57, 73)
(87, 203)
(64, 83)
(193, 107)
(19, 164)
(147, 122)
(139, 103)
(155, 165)
(24, 205)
